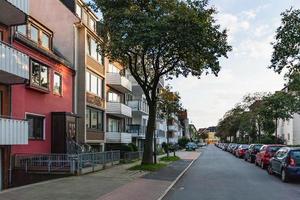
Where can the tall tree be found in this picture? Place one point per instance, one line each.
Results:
(161, 38)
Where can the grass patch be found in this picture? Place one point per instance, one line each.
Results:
(169, 159)
(149, 167)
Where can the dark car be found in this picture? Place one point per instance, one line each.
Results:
(265, 154)
(234, 149)
(286, 163)
(250, 154)
(241, 150)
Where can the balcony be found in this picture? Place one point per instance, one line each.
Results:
(14, 65)
(118, 82)
(13, 131)
(118, 137)
(139, 106)
(137, 130)
(118, 109)
(13, 12)
(172, 128)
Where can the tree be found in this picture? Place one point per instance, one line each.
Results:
(161, 38)
(286, 53)
(168, 105)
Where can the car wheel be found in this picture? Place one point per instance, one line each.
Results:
(256, 163)
(284, 176)
(270, 171)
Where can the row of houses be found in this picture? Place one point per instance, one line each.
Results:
(58, 93)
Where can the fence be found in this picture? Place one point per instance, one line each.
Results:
(66, 163)
(131, 156)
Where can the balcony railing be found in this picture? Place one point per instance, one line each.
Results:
(118, 82)
(23, 5)
(118, 137)
(118, 109)
(13, 131)
(13, 12)
(139, 106)
(137, 130)
(14, 65)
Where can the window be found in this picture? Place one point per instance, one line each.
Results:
(113, 69)
(57, 84)
(39, 75)
(37, 34)
(94, 84)
(45, 40)
(94, 119)
(114, 97)
(22, 29)
(94, 51)
(1, 35)
(78, 10)
(34, 34)
(92, 24)
(36, 127)
(113, 125)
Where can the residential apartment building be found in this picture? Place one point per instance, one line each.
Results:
(118, 113)
(140, 114)
(14, 69)
(289, 130)
(184, 122)
(90, 65)
(175, 130)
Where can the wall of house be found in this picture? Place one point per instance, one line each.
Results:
(285, 130)
(61, 22)
(296, 130)
(27, 100)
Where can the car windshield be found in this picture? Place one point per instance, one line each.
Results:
(257, 147)
(244, 146)
(296, 156)
(274, 148)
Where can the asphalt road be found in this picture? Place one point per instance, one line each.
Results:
(218, 175)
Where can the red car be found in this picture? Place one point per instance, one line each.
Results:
(266, 152)
(241, 150)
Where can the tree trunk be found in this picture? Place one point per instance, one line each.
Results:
(168, 143)
(151, 126)
(276, 133)
(259, 133)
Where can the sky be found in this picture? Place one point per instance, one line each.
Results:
(251, 28)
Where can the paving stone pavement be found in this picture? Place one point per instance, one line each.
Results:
(113, 183)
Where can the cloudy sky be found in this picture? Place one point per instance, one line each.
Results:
(251, 25)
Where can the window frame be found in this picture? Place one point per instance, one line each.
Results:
(39, 86)
(88, 84)
(42, 135)
(89, 110)
(1, 35)
(99, 57)
(60, 93)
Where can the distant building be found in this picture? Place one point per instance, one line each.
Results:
(184, 121)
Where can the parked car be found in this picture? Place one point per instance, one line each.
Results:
(266, 152)
(234, 149)
(191, 146)
(286, 163)
(250, 154)
(241, 150)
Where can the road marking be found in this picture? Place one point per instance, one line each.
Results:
(177, 179)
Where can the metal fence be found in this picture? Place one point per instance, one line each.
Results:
(131, 156)
(66, 163)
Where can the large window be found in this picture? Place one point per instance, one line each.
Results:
(36, 126)
(114, 125)
(57, 84)
(94, 119)
(1, 35)
(94, 51)
(37, 34)
(114, 97)
(1, 103)
(94, 84)
(39, 75)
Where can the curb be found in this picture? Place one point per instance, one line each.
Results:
(177, 179)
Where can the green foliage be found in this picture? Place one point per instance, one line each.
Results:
(169, 159)
(128, 147)
(161, 38)
(149, 167)
(183, 141)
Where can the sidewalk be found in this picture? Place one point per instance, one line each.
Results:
(113, 183)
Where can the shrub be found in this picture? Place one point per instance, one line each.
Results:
(183, 141)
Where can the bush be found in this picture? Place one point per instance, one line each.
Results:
(169, 159)
(133, 147)
(128, 147)
(183, 141)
